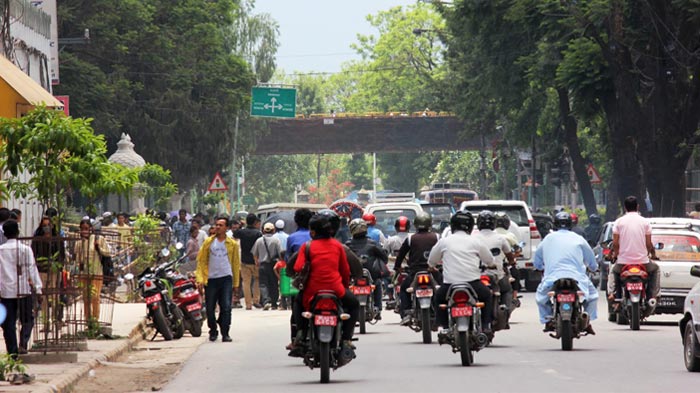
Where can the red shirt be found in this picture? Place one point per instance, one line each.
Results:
(329, 268)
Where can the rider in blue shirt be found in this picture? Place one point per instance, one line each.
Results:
(373, 232)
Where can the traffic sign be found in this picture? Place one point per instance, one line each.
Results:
(273, 102)
(593, 174)
(248, 200)
(217, 184)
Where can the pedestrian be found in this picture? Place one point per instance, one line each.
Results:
(201, 235)
(88, 254)
(19, 279)
(16, 215)
(266, 252)
(695, 213)
(281, 235)
(191, 251)
(4, 216)
(218, 265)
(249, 268)
(181, 229)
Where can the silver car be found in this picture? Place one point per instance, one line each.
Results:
(690, 325)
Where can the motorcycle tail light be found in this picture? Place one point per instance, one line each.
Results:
(361, 282)
(486, 280)
(424, 279)
(148, 284)
(326, 304)
(460, 297)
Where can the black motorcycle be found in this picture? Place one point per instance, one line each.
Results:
(465, 332)
(363, 289)
(422, 315)
(569, 319)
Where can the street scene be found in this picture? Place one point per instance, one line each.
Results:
(304, 195)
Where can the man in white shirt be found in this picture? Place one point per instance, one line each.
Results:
(462, 256)
(486, 223)
(18, 275)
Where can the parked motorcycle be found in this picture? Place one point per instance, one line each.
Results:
(634, 306)
(363, 290)
(422, 315)
(188, 299)
(323, 346)
(569, 318)
(465, 332)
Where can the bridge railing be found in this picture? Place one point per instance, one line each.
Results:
(345, 115)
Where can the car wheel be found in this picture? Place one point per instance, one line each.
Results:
(690, 345)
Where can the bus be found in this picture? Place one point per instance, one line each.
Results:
(452, 193)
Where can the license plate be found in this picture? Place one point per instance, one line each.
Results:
(635, 286)
(566, 297)
(153, 299)
(325, 320)
(424, 292)
(194, 306)
(667, 302)
(361, 290)
(462, 312)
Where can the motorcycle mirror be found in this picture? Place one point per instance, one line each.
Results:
(659, 246)
(495, 252)
(128, 276)
(695, 271)
(165, 252)
(179, 246)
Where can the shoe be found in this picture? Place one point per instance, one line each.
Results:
(249, 308)
(378, 316)
(22, 350)
(267, 306)
(289, 346)
(589, 330)
(213, 336)
(549, 327)
(258, 305)
(226, 339)
(406, 320)
(237, 305)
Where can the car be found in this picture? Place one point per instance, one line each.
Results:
(677, 251)
(601, 249)
(520, 215)
(690, 325)
(675, 223)
(387, 213)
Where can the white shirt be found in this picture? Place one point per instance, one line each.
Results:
(495, 240)
(201, 237)
(16, 256)
(393, 243)
(461, 256)
(219, 263)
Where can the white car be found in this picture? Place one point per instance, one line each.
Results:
(675, 223)
(387, 213)
(520, 215)
(690, 325)
(677, 250)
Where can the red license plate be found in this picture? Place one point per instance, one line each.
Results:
(153, 299)
(194, 306)
(424, 292)
(566, 297)
(635, 286)
(462, 311)
(361, 290)
(325, 320)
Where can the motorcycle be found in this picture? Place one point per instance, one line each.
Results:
(465, 332)
(421, 291)
(501, 306)
(569, 318)
(634, 306)
(188, 299)
(363, 290)
(396, 287)
(155, 288)
(323, 345)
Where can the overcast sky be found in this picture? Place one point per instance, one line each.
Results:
(315, 35)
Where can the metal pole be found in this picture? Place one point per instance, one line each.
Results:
(374, 177)
(482, 167)
(234, 173)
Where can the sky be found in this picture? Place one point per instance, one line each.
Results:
(315, 35)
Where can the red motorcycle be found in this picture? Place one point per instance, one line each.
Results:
(187, 297)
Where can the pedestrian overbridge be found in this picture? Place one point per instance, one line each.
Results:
(365, 134)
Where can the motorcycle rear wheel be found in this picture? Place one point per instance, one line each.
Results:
(425, 326)
(567, 336)
(162, 325)
(363, 319)
(196, 328)
(325, 360)
(635, 316)
(464, 352)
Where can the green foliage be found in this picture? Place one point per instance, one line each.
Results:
(149, 238)
(9, 365)
(156, 184)
(274, 179)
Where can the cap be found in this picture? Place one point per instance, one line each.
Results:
(107, 214)
(279, 224)
(268, 227)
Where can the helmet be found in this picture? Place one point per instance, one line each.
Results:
(320, 225)
(594, 219)
(357, 227)
(369, 218)
(423, 221)
(486, 220)
(574, 219)
(502, 220)
(462, 221)
(563, 220)
(402, 224)
(333, 218)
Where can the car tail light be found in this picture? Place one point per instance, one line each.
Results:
(326, 304)
(534, 233)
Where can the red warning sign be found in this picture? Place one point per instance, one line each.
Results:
(217, 184)
(593, 174)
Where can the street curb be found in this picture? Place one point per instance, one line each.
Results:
(66, 382)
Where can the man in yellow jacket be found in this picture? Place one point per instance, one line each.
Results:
(218, 267)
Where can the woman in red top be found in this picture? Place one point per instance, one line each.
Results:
(329, 271)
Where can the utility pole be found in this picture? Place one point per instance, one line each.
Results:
(234, 171)
(482, 168)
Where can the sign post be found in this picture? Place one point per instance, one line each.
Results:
(217, 184)
(273, 102)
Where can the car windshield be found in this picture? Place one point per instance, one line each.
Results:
(441, 214)
(677, 247)
(386, 219)
(517, 214)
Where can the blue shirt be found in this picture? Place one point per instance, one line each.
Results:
(564, 254)
(181, 230)
(282, 237)
(295, 240)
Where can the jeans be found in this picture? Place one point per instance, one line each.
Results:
(219, 291)
(17, 308)
(378, 295)
(269, 285)
(482, 292)
(350, 306)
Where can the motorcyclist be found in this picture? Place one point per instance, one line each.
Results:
(372, 256)
(564, 254)
(373, 232)
(417, 247)
(632, 245)
(402, 225)
(503, 225)
(486, 223)
(592, 230)
(576, 229)
(462, 256)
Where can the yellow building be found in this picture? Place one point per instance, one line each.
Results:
(19, 93)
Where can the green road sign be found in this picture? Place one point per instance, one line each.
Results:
(273, 102)
(248, 200)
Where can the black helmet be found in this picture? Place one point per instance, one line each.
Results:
(321, 226)
(333, 218)
(594, 219)
(563, 220)
(502, 220)
(423, 221)
(462, 221)
(358, 227)
(486, 220)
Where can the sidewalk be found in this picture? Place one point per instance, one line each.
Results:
(128, 323)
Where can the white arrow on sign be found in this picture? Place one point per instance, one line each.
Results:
(273, 106)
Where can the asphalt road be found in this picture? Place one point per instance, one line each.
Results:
(392, 358)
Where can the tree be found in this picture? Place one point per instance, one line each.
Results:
(255, 37)
(156, 184)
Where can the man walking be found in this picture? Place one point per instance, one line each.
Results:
(249, 268)
(218, 264)
(181, 229)
(266, 252)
